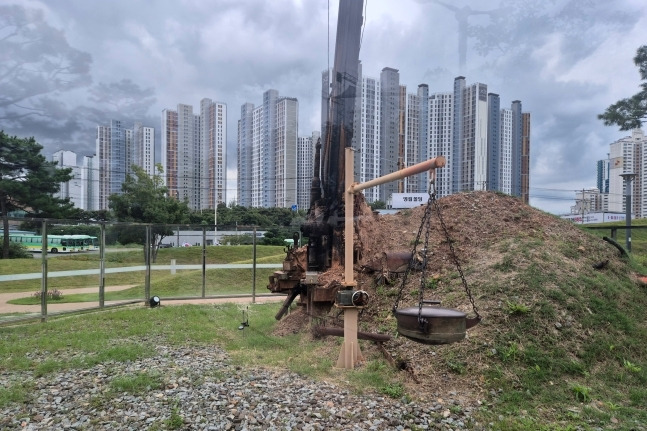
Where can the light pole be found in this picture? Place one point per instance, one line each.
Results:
(628, 178)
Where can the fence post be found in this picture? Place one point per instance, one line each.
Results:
(204, 261)
(254, 268)
(102, 265)
(147, 259)
(43, 283)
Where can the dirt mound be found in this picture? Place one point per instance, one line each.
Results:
(516, 259)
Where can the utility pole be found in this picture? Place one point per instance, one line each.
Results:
(628, 178)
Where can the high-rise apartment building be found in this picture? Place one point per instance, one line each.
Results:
(367, 138)
(305, 168)
(112, 152)
(485, 146)
(470, 137)
(117, 150)
(602, 182)
(440, 138)
(267, 150)
(389, 129)
(73, 189)
(628, 156)
(194, 153)
(83, 188)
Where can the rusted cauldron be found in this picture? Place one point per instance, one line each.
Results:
(433, 325)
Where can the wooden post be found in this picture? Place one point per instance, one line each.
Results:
(350, 352)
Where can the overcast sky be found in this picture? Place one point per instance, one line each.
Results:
(68, 65)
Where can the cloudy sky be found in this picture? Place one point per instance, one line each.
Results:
(68, 65)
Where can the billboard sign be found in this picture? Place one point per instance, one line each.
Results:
(408, 200)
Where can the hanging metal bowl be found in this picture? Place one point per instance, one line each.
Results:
(433, 325)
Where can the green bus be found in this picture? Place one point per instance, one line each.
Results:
(56, 243)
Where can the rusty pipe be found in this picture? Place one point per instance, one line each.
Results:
(436, 162)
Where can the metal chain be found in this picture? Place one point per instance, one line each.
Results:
(425, 220)
(452, 254)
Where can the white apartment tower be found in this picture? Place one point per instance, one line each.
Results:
(194, 153)
(627, 156)
(267, 151)
(305, 168)
(440, 138)
(470, 137)
(366, 138)
(73, 189)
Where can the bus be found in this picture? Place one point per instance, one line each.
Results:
(55, 243)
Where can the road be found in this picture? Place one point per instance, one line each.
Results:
(37, 275)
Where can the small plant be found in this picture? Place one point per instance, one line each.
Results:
(515, 308)
(612, 406)
(581, 393)
(631, 367)
(456, 367)
(510, 352)
(175, 421)
(51, 294)
(394, 390)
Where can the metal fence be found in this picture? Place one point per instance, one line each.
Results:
(186, 262)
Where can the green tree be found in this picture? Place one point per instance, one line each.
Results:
(145, 199)
(28, 182)
(378, 205)
(630, 113)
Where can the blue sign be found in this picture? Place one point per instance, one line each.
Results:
(295, 207)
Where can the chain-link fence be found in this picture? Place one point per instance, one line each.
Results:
(71, 266)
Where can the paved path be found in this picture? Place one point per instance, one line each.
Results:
(53, 307)
(37, 275)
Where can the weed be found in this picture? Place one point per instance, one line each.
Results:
(17, 393)
(509, 353)
(393, 390)
(632, 368)
(137, 383)
(506, 265)
(516, 308)
(176, 421)
(457, 367)
(582, 393)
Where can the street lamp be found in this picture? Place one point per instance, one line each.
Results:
(628, 178)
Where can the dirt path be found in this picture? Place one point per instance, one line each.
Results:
(53, 307)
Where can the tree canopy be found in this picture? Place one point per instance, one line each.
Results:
(145, 199)
(28, 182)
(630, 113)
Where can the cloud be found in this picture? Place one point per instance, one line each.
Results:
(566, 60)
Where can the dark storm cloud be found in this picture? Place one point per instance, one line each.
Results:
(131, 59)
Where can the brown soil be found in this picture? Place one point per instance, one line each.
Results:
(496, 238)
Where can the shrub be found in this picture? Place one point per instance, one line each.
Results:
(17, 251)
(51, 294)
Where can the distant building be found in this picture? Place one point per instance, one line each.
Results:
(390, 148)
(628, 156)
(83, 188)
(117, 150)
(194, 153)
(367, 143)
(267, 152)
(305, 168)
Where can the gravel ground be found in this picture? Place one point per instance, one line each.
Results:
(197, 388)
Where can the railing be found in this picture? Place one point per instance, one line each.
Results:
(194, 269)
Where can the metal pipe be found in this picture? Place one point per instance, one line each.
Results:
(349, 204)
(43, 283)
(437, 162)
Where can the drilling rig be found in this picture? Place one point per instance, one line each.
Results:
(324, 226)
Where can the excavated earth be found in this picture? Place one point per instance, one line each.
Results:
(495, 238)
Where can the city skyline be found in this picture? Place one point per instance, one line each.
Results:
(566, 61)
